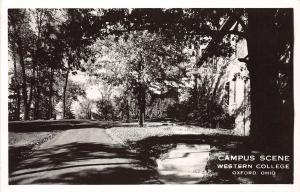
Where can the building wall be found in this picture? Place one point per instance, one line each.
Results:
(239, 105)
(239, 90)
(233, 84)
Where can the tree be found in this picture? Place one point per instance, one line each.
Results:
(77, 33)
(139, 61)
(20, 42)
(270, 44)
(47, 59)
(34, 47)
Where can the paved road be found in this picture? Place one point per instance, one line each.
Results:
(82, 156)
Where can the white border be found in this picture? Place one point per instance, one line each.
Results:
(5, 4)
(149, 4)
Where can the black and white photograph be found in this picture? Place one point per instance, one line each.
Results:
(110, 96)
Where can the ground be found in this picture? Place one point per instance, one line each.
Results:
(97, 152)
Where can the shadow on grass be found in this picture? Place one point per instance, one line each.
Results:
(52, 125)
(57, 125)
(216, 139)
(153, 148)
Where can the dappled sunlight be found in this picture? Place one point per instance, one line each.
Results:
(81, 163)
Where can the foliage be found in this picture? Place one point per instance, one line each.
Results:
(160, 63)
(140, 50)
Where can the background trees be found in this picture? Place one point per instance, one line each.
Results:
(45, 45)
(143, 63)
(20, 37)
(60, 41)
(36, 52)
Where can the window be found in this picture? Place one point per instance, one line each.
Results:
(227, 92)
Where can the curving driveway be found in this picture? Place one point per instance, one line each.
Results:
(81, 156)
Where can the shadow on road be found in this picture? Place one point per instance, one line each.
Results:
(80, 163)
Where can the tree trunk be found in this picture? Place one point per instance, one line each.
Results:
(263, 68)
(32, 85)
(127, 110)
(141, 92)
(37, 90)
(288, 106)
(24, 80)
(18, 102)
(196, 92)
(142, 105)
(64, 93)
(50, 105)
(36, 112)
